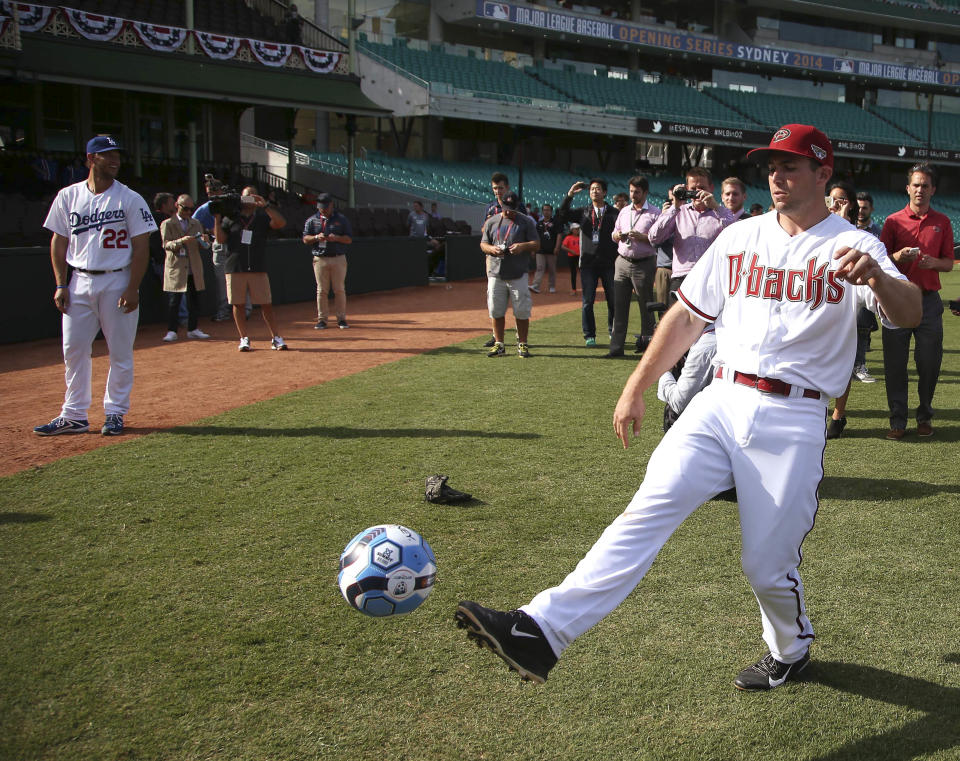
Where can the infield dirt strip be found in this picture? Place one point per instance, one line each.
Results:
(180, 382)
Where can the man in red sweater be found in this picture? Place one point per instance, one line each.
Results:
(920, 242)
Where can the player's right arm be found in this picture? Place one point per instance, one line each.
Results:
(676, 333)
(58, 257)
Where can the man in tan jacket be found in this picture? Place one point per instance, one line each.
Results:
(183, 238)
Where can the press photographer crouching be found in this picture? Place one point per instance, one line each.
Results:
(244, 227)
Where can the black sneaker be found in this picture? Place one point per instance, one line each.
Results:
(342, 324)
(768, 673)
(489, 344)
(498, 350)
(512, 635)
(321, 325)
(835, 427)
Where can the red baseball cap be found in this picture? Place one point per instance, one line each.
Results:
(800, 140)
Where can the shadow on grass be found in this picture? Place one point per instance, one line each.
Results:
(937, 730)
(879, 489)
(22, 518)
(343, 432)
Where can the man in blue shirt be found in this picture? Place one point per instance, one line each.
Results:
(219, 250)
(329, 233)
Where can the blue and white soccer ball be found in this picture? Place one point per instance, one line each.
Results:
(387, 570)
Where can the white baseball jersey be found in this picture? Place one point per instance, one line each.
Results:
(99, 226)
(779, 309)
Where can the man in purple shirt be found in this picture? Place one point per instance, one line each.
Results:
(694, 226)
(636, 264)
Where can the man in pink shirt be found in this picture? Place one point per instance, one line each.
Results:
(694, 225)
(635, 265)
(920, 242)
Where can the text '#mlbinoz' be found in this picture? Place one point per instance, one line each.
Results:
(811, 284)
(81, 223)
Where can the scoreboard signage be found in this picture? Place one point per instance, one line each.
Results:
(613, 30)
(752, 138)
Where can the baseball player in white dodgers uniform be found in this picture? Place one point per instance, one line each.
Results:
(100, 228)
(783, 290)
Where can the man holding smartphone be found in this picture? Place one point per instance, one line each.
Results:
(920, 242)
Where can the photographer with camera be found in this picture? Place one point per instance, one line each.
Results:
(243, 223)
(694, 225)
(183, 238)
(598, 251)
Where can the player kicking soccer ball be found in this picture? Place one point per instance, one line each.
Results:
(788, 286)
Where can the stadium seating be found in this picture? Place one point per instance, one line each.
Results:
(673, 102)
(492, 79)
(946, 127)
(841, 120)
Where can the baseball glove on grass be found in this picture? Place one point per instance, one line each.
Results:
(437, 491)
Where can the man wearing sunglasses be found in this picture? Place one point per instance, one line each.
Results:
(183, 238)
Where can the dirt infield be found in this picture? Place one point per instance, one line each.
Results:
(181, 382)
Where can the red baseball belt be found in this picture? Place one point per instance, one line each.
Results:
(767, 385)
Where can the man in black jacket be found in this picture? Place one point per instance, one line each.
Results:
(598, 252)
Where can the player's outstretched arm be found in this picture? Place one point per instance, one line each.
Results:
(674, 335)
(899, 299)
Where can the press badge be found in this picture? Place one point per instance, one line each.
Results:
(596, 236)
(246, 237)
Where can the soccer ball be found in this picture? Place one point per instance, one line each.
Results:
(386, 571)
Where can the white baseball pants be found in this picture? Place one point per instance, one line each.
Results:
(771, 448)
(93, 306)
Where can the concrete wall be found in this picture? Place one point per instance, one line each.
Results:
(375, 264)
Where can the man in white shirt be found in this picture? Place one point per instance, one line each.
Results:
(100, 228)
(783, 290)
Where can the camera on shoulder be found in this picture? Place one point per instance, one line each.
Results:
(224, 200)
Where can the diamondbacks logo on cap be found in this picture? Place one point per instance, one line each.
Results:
(781, 134)
(818, 151)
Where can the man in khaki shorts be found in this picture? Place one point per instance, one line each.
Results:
(246, 270)
(508, 239)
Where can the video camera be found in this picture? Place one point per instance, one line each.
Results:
(224, 200)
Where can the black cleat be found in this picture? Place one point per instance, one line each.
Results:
(835, 427)
(769, 673)
(512, 635)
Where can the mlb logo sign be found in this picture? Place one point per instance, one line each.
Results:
(500, 11)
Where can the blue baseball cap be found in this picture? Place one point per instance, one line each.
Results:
(102, 144)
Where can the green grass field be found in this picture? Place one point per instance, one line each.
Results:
(174, 597)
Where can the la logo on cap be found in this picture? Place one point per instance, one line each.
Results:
(781, 134)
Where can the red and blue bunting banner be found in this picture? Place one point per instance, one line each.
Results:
(219, 46)
(163, 38)
(33, 18)
(167, 39)
(93, 26)
(320, 61)
(270, 53)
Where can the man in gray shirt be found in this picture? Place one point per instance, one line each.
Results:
(508, 239)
